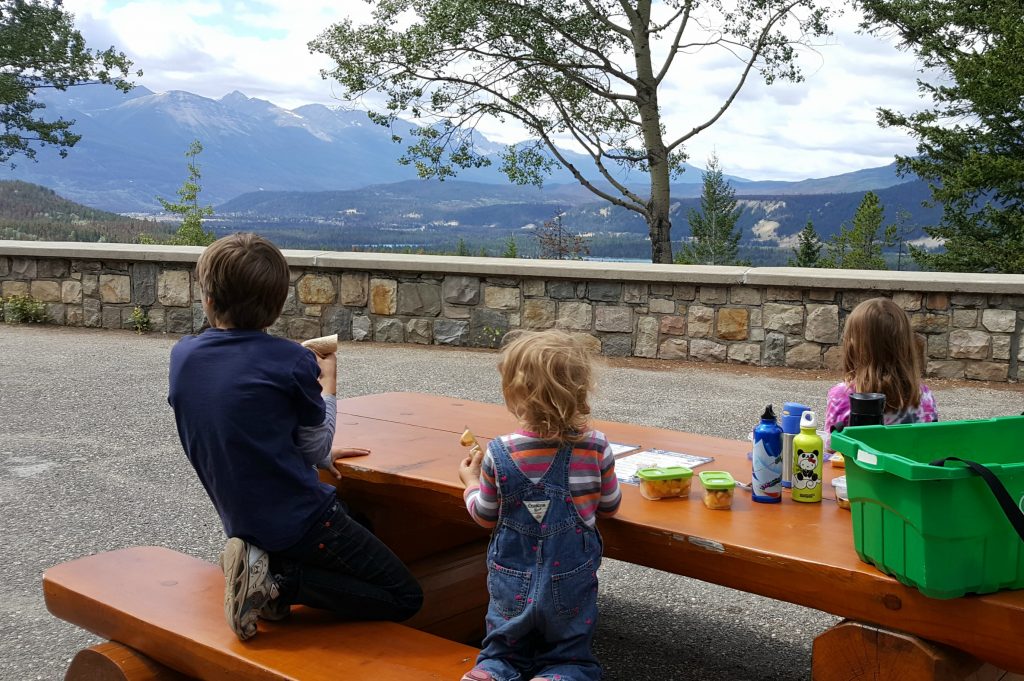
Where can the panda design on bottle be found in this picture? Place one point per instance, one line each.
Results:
(806, 469)
(807, 460)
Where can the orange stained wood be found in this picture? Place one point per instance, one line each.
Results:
(168, 606)
(111, 661)
(801, 553)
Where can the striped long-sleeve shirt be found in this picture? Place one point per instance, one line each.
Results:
(592, 481)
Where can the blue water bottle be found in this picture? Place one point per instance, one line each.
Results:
(766, 484)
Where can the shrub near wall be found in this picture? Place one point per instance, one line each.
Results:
(970, 324)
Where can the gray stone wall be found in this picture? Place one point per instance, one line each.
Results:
(734, 317)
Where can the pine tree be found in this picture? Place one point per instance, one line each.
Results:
(191, 232)
(860, 246)
(461, 248)
(511, 247)
(715, 238)
(808, 250)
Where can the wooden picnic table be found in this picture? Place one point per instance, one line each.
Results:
(800, 553)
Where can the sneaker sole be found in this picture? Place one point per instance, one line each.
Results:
(236, 586)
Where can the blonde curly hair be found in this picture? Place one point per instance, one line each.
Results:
(546, 379)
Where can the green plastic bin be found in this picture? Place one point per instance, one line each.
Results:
(939, 529)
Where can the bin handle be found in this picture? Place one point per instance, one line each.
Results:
(1012, 511)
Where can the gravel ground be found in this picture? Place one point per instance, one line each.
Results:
(91, 462)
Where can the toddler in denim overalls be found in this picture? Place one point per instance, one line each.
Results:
(540, 488)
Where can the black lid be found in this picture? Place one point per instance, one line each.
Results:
(769, 414)
(867, 403)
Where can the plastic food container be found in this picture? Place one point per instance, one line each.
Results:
(719, 487)
(939, 529)
(842, 494)
(659, 483)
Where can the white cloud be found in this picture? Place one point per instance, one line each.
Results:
(822, 126)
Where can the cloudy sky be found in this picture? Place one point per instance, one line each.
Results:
(823, 126)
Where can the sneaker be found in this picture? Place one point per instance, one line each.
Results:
(477, 675)
(248, 585)
(275, 610)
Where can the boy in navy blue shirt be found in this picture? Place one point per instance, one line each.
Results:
(256, 414)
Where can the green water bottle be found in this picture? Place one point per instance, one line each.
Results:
(807, 460)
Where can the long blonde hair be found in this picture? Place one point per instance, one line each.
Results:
(881, 353)
(546, 379)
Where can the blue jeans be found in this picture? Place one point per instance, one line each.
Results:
(340, 566)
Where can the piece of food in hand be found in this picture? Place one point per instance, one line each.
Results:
(323, 346)
(468, 439)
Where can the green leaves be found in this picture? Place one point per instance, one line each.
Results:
(714, 237)
(191, 232)
(860, 246)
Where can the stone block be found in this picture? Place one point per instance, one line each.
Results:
(784, 293)
(1001, 346)
(784, 318)
(172, 289)
(774, 349)
(355, 289)
(684, 292)
(733, 324)
(646, 337)
(179, 320)
(279, 328)
(804, 356)
(634, 293)
(822, 295)
(937, 301)
(71, 292)
(55, 313)
(501, 297)
(674, 326)
(291, 303)
(115, 288)
(144, 276)
(418, 331)
(86, 266)
(938, 345)
(312, 310)
(699, 321)
(704, 350)
(673, 348)
(383, 296)
(560, 289)
(538, 313)
(45, 291)
(965, 319)
(852, 299)
(605, 291)
(757, 317)
(76, 316)
(756, 334)
(23, 268)
(337, 319)
(198, 317)
(713, 295)
(13, 288)
(111, 318)
(617, 345)
(822, 325)
(745, 353)
(90, 285)
(911, 302)
(664, 290)
(1000, 321)
(969, 299)
(420, 300)
(987, 371)
(929, 322)
(575, 315)
(389, 331)
(456, 311)
(969, 344)
(449, 332)
(661, 306)
(157, 319)
(316, 289)
(197, 290)
(5, 265)
(833, 358)
(534, 288)
(617, 318)
(294, 274)
(946, 369)
(744, 295)
(114, 267)
(487, 327)
(303, 328)
(360, 327)
(91, 313)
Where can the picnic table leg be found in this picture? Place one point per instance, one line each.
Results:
(112, 661)
(851, 651)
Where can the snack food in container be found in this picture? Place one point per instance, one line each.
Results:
(842, 494)
(719, 487)
(659, 483)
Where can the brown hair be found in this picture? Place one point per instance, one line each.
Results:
(881, 354)
(546, 379)
(246, 278)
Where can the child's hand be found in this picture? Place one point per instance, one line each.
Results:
(328, 373)
(469, 468)
(337, 453)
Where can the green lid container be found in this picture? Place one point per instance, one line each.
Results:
(717, 480)
(668, 473)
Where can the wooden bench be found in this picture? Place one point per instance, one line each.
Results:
(163, 613)
(800, 553)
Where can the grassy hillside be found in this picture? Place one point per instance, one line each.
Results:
(34, 213)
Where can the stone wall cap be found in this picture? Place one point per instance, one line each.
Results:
(885, 280)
